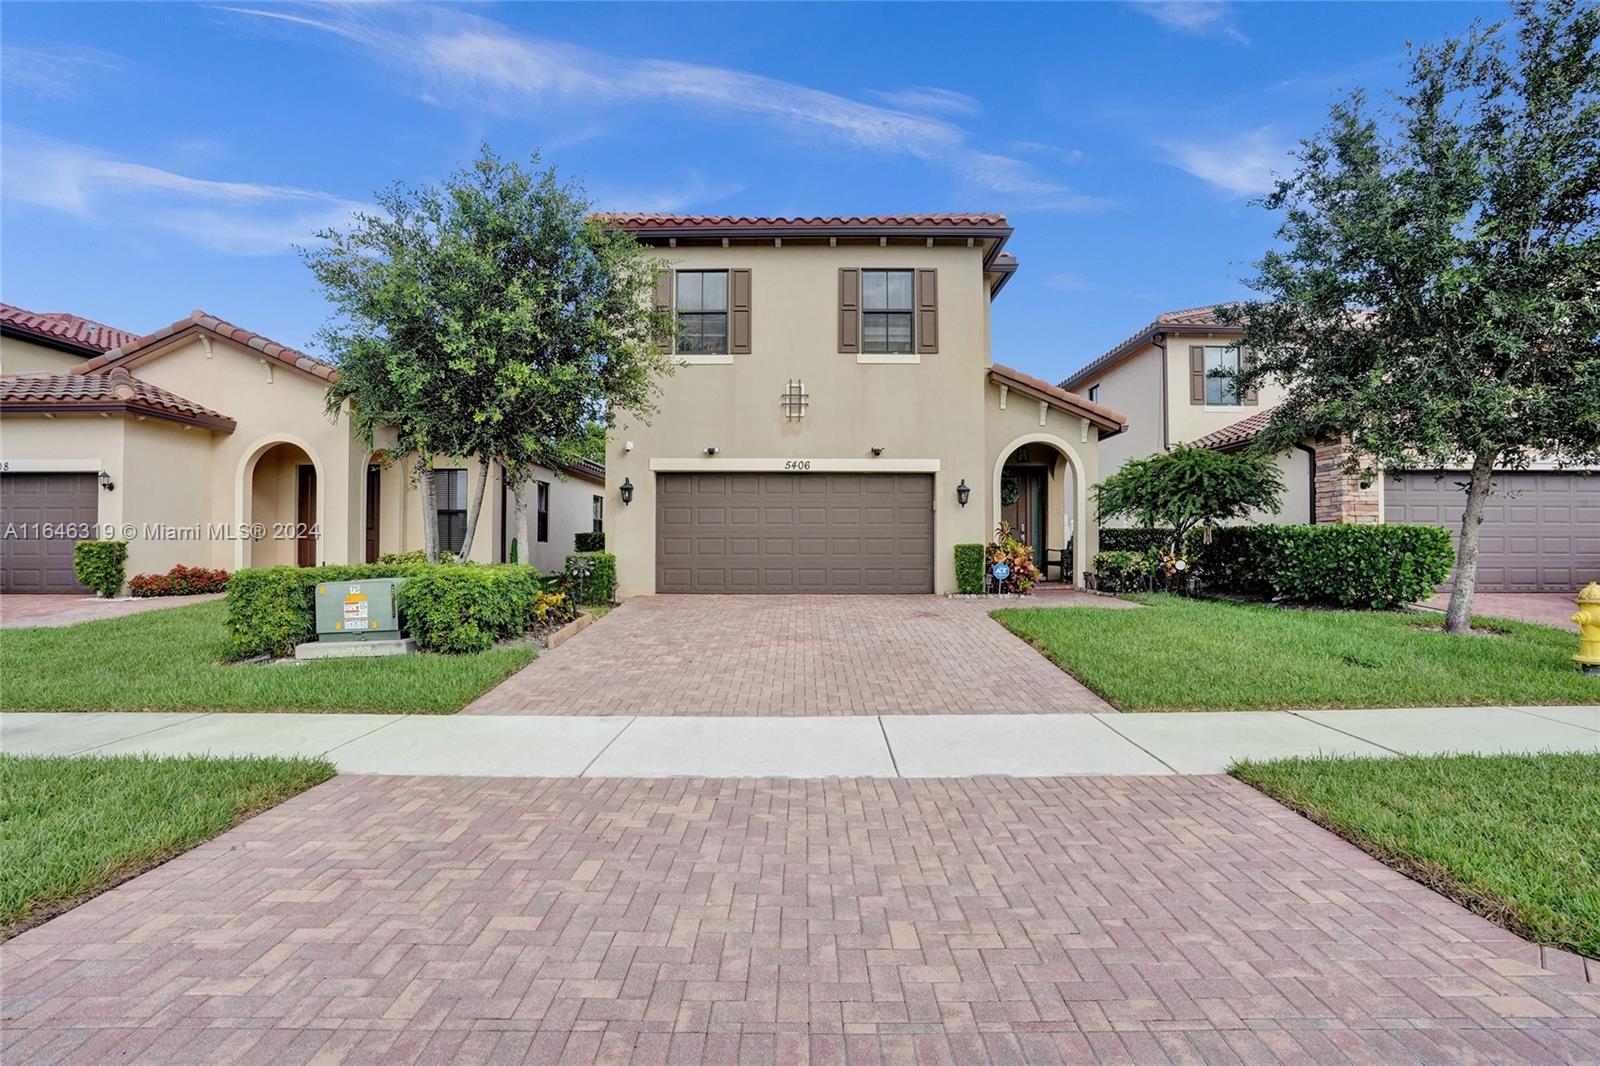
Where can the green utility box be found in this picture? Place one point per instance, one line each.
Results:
(358, 610)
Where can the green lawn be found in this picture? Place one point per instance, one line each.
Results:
(1515, 838)
(1181, 654)
(170, 660)
(71, 827)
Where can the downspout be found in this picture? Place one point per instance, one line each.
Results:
(1311, 500)
(1160, 341)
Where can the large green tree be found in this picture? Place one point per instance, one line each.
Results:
(1189, 487)
(1435, 295)
(490, 316)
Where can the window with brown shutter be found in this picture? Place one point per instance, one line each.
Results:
(1251, 397)
(1197, 374)
(663, 302)
(849, 310)
(739, 312)
(927, 312)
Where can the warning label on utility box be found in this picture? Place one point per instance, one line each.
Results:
(356, 611)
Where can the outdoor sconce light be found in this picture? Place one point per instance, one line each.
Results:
(627, 491)
(963, 494)
(106, 483)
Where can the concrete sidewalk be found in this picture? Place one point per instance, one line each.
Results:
(1011, 745)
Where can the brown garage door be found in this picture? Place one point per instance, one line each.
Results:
(1541, 529)
(64, 506)
(794, 533)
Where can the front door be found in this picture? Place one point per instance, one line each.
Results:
(1022, 503)
(305, 545)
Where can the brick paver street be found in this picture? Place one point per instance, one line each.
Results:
(792, 655)
(466, 920)
(1546, 608)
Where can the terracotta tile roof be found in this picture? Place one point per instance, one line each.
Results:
(586, 469)
(1194, 318)
(63, 329)
(1231, 438)
(200, 322)
(114, 392)
(1104, 417)
(645, 223)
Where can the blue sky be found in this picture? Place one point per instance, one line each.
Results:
(163, 157)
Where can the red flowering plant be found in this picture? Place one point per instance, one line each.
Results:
(179, 581)
(1017, 556)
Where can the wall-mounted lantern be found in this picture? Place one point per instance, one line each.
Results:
(106, 483)
(627, 491)
(963, 494)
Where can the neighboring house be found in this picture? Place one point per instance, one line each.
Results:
(209, 445)
(1541, 528)
(836, 423)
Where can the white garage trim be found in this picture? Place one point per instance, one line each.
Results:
(792, 466)
(51, 466)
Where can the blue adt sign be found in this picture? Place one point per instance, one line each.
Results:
(1001, 571)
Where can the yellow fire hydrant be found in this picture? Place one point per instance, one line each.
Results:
(1588, 620)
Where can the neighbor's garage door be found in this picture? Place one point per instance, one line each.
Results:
(30, 503)
(1541, 529)
(794, 533)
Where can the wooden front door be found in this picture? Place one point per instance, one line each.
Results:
(1022, 506)
(374, 489)
(305, 543)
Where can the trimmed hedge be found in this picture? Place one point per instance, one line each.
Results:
(462, 609)
(1121, 571)
(969, 568)
(1134, 539)
(589, 542)
(273, 609)
(179, 581)
(102, 565)
(1374, 566)
(599, 586)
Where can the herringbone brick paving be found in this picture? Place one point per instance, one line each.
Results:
(793, 655)
(1131, 920)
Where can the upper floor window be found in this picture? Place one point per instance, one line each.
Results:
(1221, 391)
(450, 499)
(702, 305)
(886, 311)
(1094, 393)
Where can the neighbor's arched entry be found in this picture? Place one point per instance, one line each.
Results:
(280, 501)
(1074, 508)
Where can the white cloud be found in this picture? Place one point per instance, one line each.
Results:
(58, 71)
(1066, 155)
(469, 61)
(244, 218)
(925, 99)
(692, 192)
(1243, 165)
(1206, 18)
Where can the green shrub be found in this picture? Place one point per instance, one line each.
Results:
(589, 542)
(969, 568)
(271, 610)
(1348, 565)
(1121, 571)
(179, 581)
(460, 609)
(418, 556)
(1134, 539)
(101, 564)
(597, 586)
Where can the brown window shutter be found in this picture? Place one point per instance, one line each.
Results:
(1251, 397)
(1197, 374)
(849, 310)
(927, 312)
(664, 302)
(739, 312)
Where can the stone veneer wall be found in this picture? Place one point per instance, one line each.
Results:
(1342, 497)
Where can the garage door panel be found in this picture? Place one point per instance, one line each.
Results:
(795, 533)
(29, 560)
(1536, 535)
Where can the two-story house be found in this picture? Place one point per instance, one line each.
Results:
(836, 423)
(1541, 527)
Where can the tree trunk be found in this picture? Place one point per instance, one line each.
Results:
(476, 508)
(1458, 618)
(430, 516)
(519, 520)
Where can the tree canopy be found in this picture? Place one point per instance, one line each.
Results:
(1189, 487)
(1435, 296)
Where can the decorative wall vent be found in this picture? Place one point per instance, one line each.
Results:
(795, 400)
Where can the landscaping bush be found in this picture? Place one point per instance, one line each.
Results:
(593, 577)
(1006, 548)
(969, 568)
(461, 609)
(1121, 571)
(418, 556)
(179, 581)
(589, 542)
(271, 610)
(101, 564)
(1348, 565)
(552, 609)
(1135, 539)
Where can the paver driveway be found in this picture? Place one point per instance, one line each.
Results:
(792, 655)
(1141, 920)
(18, 610)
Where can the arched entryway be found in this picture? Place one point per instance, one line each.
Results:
(280, 504)
(1039, 491)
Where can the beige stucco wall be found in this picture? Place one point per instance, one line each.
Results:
(1132, 388)
(18, 356)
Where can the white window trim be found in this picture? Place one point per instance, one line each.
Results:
(707, 359)
(900, 358)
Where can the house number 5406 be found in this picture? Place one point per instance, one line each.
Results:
(797, 464)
